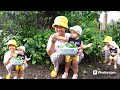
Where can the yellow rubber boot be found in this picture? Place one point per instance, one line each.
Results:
(7, 76)
(105, 61)
(53, 73)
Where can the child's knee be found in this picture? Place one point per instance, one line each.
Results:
(68, 64)
(75, 66)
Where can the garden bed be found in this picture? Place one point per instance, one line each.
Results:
(85, 71)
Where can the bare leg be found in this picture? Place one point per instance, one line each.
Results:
(115, 62)
(75, 69)
(22, 73)
(67, 66)
(110, 61)
(16, 74)
(75, 66)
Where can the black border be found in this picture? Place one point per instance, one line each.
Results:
(91, 5)
(60, 5)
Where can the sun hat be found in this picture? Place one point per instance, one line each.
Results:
(61, 21)
(22, 47)
(77, 29)
(108, 39)
(113, 43)
(11, 42)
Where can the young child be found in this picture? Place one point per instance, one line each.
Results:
(106, 48)
(11, 53)
(114, 53)
(21, 54)
(75, 31)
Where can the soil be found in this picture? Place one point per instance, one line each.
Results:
(85, 71)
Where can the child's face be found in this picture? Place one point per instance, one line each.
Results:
(20, 51)
(112, 46)
(74, 34)
(11, 47)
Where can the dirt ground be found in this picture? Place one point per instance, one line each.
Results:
(85, 71)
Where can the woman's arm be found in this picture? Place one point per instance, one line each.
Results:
(51, 44)
(6, 59)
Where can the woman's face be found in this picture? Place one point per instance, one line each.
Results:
(60, 30)
(107, 43)
(11, 47)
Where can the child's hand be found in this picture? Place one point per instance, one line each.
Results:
(24, 61)
(89, 45)
(79, 52)
(28, 59)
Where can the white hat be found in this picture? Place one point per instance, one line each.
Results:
(113, 43)
(77, 29)
(22, 47)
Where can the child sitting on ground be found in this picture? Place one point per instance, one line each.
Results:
(114, 53)
(75, 33)
(106, 48)
(21, 54)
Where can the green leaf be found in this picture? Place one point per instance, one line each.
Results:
(43, 45)
(33, 62)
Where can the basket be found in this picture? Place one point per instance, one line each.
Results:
(16, 62)
(68, 51)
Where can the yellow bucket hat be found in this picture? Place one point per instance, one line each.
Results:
(61, 21)
(11, 42)
(108, 39)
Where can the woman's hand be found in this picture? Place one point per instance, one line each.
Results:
(54, 38)
(13, 55)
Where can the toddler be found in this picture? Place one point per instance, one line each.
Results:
(75, 32)
(114, 53)
(21, 54)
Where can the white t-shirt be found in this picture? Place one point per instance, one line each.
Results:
(7, 56)
(58, 42)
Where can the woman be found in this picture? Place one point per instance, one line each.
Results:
(11, 53)
(60, 25)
